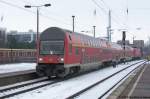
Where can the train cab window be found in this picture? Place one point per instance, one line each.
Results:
(77, 51)
(70, 48)
(70, 37)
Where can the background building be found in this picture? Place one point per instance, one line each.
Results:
(22, 37)
(138, 43)
(121, 43)
(21, 40)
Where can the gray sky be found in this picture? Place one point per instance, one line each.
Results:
(16, 17)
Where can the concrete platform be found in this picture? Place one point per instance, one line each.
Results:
(136, 86)
(16, 73)
(15, 77)
(141, 87)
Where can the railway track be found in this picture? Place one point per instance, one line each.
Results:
(11, 90)
(19, 88)
(103, 80)
(16, 89)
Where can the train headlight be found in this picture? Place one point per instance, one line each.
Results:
(61, 59)
(40, 59)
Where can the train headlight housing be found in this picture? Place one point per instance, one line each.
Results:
(40, 59)
(61, 59)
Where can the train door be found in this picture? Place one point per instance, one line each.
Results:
(83, 56)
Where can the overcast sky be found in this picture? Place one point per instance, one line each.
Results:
(15, 17)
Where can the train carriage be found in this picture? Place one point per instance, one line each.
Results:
(17, 55)
(62, 52)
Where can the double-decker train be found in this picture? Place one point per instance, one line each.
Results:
(63, 52)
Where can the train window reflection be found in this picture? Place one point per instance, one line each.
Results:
(52, 47)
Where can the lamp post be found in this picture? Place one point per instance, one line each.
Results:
(94, 30)
(37, 36)
(73, 23)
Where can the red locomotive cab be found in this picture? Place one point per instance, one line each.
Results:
(52, 45)
(51, 52)
(51, 57)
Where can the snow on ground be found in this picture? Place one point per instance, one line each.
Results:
(7, 68)
(66, 88)
(97, 91)
(148, 62)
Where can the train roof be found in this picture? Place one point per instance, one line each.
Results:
(49, 34)
(53, 33)
(56, 33)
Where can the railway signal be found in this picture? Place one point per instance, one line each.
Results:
(124, 41)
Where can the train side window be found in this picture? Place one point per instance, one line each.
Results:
(77, 51)
(1, 53)
(70, 48)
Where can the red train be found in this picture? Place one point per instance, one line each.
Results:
(63, 52)
(17, 55)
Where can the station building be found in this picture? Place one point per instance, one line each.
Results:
(23, 37)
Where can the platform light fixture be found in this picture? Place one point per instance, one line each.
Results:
(37, 36)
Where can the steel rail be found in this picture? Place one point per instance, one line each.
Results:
(119, 81)
(4, 93)
(95, 84)
(22, 84)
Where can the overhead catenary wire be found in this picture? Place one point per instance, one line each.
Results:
(21, 8)
(67, 22)
(47, 11)
(99, 6)
(105, 12)
(115, 18)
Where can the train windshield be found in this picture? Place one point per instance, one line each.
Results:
(52, 47)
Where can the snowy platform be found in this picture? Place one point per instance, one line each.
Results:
(14, 73)
(10, 68)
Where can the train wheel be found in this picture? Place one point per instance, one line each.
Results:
(74, 70)
(48, 73)
(40, 71)
(61, 73)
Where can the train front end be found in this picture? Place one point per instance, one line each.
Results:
(51, 53)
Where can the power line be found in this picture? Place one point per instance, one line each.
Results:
(47, 11)
(16, 6)
(99, 7)
(116, 17)
(104, 11)
(48, 17)
(105, 4)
